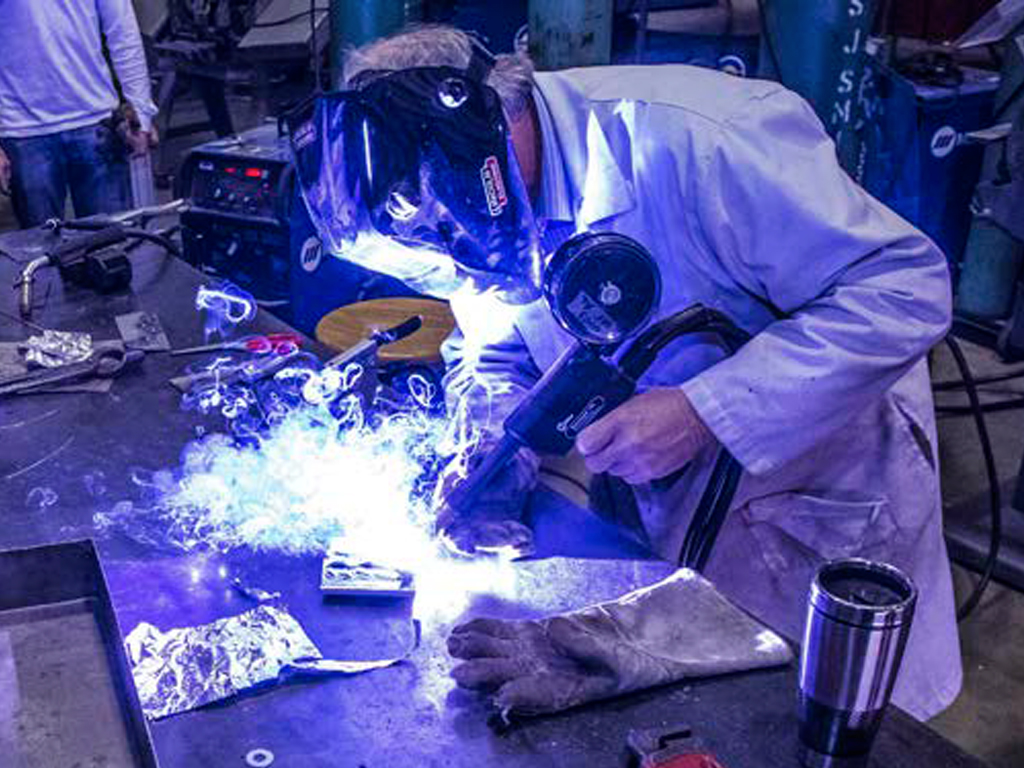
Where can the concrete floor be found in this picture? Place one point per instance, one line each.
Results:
(988, 718)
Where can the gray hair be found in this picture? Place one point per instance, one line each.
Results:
(436, 45)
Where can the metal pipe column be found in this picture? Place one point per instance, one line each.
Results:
(570, 33)
(816, 48)
(356, 22)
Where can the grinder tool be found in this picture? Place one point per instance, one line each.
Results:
(603, 288)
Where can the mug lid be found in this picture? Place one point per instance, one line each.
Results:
(864, 593)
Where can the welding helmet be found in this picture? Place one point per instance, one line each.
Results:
(412, 173)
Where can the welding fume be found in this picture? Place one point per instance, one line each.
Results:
(673, 277)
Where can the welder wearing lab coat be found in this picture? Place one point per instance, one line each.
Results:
(734, 188)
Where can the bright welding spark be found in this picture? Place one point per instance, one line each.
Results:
(226, 305)
(422, 390)
(366, 151)
(305, 465)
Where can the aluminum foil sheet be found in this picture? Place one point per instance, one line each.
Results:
(55, 348)
(183, 669)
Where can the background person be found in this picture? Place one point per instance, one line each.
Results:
(58, 130)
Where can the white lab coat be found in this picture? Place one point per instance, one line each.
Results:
(734, 188)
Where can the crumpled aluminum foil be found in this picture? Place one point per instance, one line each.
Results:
(183, 669)
(55, 348)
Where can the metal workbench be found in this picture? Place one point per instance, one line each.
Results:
(407, 715)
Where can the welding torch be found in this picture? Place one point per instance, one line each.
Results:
(583, 386)
(83, 258)
(591, 379)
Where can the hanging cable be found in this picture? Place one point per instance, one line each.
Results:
(945, 386)
(1013, 404)
(995, 497)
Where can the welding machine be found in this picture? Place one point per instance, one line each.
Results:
(246, 223)
(919, 160)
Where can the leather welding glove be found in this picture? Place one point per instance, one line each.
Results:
(496, 521)
(677, 629)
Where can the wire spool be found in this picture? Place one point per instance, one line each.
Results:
(602, 287)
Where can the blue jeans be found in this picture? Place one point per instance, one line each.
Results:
(91, 163)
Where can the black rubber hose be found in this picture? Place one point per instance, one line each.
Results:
(696, 319)
(719, 510)
(1012, 404)
(995, 496)
(714, 502)
(129, 233)
(717, 493)
(164, 242)
(945, 386)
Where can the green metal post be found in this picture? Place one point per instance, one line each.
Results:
(570, 33)
(816, 48)
(356, 22)
(993, 258)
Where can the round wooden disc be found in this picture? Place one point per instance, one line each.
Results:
(345, 327)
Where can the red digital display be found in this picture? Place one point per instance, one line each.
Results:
(232, 169)
(253, 173)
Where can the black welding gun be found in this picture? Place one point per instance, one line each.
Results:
(88, 251)
(602, 288)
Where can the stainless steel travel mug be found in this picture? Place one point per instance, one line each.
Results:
(858, 619)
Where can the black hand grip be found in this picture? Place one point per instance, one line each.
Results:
(401, 331)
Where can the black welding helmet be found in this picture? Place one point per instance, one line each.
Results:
(412, 173)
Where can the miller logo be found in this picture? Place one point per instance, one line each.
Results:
(575, 423)
(494, 186)
(944, 141)
(312, 254)
(304, 135)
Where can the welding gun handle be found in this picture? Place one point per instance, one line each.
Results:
(462, 497)
(401, 331)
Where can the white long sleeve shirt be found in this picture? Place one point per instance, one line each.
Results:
(53, 75)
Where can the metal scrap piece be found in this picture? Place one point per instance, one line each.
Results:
(186, 668)
(254, 593)
(182, 669)
(52, 349)
(143, 330)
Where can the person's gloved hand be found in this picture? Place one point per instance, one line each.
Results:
(677, 629)
(649, 436)
(491, 528)
(5, 173)
(495, 523)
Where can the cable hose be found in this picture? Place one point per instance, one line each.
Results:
(716, 499)
(995, 496)
(129, 233)
(1012, 404)
(945, 386)
(710, 513)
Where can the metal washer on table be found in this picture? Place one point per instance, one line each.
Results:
(259, 758)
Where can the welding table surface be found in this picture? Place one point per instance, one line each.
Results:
(408, 715)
